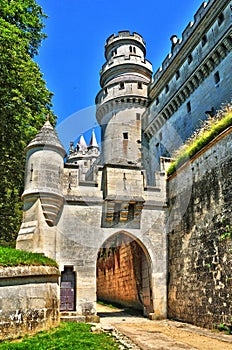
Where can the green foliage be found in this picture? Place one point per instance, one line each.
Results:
(73, 336)
(209, 130)
(223, 328)
(227, 233)
(24, 103)
(15, 257)
(27, 16)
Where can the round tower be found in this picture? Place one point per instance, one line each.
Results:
(44, 173)
(123, 98)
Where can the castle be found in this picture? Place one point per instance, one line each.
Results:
(105, 215)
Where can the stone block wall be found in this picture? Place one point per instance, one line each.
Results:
(119, 277)
(29, 300)
(200, 260)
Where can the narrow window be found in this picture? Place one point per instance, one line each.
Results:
(140, 86)
(106, 91)
(157, 101)
(188, 107)
(134, 50)
(190, 58)
(166, 88)
(220, 19)
(217, 77)
(125, 136)
(31, 175)
(122, 85)
(117, 208)
(130, 48)
(177, 74)
(131, 211)
(137, 116)
(204, 40)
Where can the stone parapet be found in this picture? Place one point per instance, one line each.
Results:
(29, 300)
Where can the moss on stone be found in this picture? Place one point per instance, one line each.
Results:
(210, 130)
(15, 257)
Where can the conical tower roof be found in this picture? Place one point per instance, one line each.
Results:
(93, 140)
(47, 138)
(82, 144)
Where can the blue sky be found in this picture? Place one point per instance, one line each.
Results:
(72, 55)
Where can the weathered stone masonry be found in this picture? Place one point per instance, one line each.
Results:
(29, 300)
(123, 275)
(200, 261)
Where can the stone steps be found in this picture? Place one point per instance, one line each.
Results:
(75, 317)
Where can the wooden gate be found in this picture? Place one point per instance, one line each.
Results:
(67, 290)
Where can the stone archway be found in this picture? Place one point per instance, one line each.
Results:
(124, 273)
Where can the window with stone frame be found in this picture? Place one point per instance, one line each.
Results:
(217, 77)
(189, 107)
(131, 212)
(221, 19)
(121, 86)
(117, 209)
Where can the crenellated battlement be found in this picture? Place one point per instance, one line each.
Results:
(124, 34)
(187, 32)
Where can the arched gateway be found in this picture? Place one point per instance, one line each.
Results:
(73, 210)
(124, 273)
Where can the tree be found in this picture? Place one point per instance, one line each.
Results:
(24, 103)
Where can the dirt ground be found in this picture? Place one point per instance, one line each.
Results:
(165, 334)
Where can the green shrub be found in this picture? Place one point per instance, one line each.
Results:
(210, 129)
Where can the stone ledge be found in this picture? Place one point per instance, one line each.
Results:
(28, 271)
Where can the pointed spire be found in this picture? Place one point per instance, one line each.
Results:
(93, 140)
(82, 144)
(47, 138)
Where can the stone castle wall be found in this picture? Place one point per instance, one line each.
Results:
(200, 260)
(29, 300)
(195, 78)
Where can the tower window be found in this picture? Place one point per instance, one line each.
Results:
(134, 50)
(121, 86)
(157, 101)
(204, 40)
(131, 211)
(130, 48)
(106, 91)
(188, 107)
(166, 88)
(114, 52)
(137, 116)
(140, 86)
(117, 208)
(220, 19)
(177, 74)
(217, 77)
(125, 136)
(190, 58)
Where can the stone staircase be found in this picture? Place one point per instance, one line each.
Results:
(73, 316)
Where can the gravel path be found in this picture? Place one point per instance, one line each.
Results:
(135, 332)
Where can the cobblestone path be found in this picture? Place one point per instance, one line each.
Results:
(162, 335)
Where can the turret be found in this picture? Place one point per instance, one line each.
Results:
(83, 156)
(123, 98)
(44, 173)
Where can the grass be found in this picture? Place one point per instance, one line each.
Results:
(68, 336)
(15, 257)
(210, 129)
